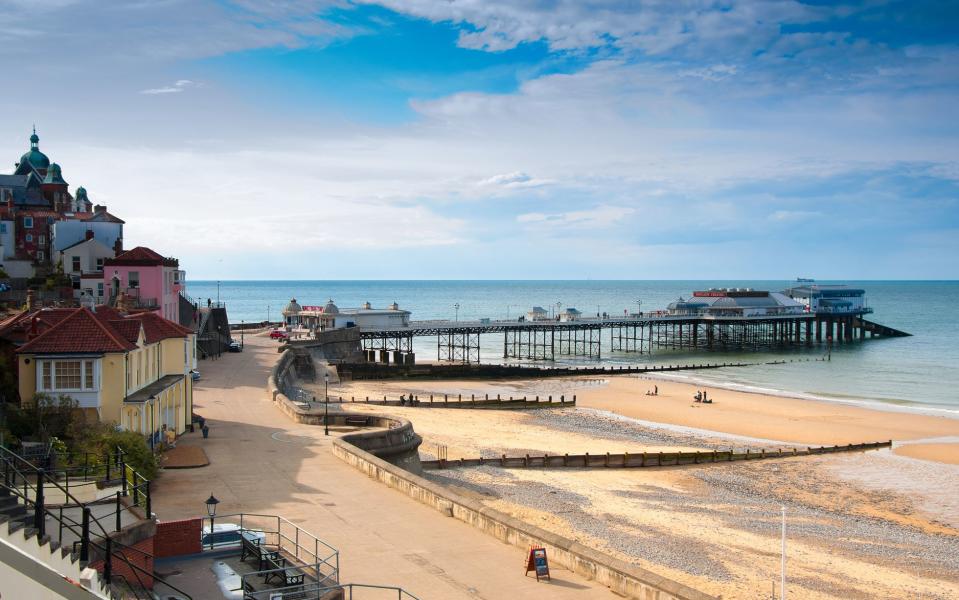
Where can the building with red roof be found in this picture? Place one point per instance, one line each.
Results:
(144, 279)
(131, 369)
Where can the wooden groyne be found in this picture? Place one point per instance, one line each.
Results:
(364, 371)
(628, 460)
(456, 401)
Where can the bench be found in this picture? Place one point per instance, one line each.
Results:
(278, 569)
(361, 421)
(251, 547)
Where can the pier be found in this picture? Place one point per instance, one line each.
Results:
(460, 341)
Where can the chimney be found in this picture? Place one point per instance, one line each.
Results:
(100, 208)
(89, 234)
(118, 247)
(29, 299)
(33, 328)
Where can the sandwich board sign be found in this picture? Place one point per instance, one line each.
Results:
(537, 562)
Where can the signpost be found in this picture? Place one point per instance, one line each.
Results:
(538, 563)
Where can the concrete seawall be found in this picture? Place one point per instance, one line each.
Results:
(621, 577)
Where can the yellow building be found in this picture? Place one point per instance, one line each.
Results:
(128, 369)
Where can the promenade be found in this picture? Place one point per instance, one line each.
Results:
(261, 462)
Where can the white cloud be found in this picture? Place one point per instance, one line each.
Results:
(594, 218)
(176, 88)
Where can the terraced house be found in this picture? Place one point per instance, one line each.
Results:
(129, 369)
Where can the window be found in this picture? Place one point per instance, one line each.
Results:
(88, 374)
(134, 279)
(29, 237)
(40, 255)
(76, 263)
(42, 239)
(47, 375)
(3, 227)
(100, 290)
(68, 375)
(100, 265)
(28, 222)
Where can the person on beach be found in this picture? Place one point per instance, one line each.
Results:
(698, 396)
(655, 390)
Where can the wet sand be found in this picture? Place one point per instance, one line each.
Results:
(944, 453)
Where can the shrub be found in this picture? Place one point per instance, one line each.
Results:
(102, 439)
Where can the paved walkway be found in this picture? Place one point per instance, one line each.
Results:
(260, 461)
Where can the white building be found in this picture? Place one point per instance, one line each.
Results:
(75, 227)
(570, 314)
(736, 302)
(830, 299)
(537, 313)
(331, 316)
(83, 260)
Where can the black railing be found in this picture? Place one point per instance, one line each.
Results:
(41, 490)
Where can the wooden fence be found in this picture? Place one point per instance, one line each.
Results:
(644, 459)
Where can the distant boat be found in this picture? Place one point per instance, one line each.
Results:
(805, 280)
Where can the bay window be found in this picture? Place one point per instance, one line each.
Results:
(68, 375)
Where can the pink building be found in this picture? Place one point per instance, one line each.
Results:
(148, 280)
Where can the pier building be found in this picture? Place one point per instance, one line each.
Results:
(330, 316)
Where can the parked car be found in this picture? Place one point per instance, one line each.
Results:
(235, 346)
(195, 375)
(278, 334)
(228, 534)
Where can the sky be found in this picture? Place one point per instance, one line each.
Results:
(503, 139)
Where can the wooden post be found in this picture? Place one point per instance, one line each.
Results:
(643, 460)
(660, 463)
(566, 459)
(586, 464)
(503, 461)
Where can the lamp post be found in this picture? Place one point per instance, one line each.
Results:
(326, 404)
(782, 583)
(218, 293)
(456, 307)
(267, 314)
(639, 307)
(211, 503)
(241, 334)
(559, 305)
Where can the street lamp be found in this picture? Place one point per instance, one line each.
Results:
(218, 293)
(326, 404)
(639, 307)
(241, 334)
(558, 306)
(211, 503)
(457, 307)
(782, 584)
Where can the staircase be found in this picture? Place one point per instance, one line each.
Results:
(19, 539)
(877, 329)
(54, 545)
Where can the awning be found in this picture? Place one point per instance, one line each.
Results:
(142, 395)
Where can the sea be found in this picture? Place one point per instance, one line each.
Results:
(915, 374)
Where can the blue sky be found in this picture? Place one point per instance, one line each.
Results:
(519, 139)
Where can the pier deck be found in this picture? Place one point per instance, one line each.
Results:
(459, 341)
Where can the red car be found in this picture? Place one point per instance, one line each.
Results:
(277, 334)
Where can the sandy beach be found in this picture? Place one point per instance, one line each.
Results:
(751, 415)
(882, 524)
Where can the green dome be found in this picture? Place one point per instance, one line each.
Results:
(81, 193)
(36, 158)
(53, 174)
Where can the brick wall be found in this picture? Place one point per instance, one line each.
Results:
(140, 554)
(174, 538)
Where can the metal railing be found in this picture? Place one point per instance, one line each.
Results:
(383, 591)
(35, 487)
(293, 541)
